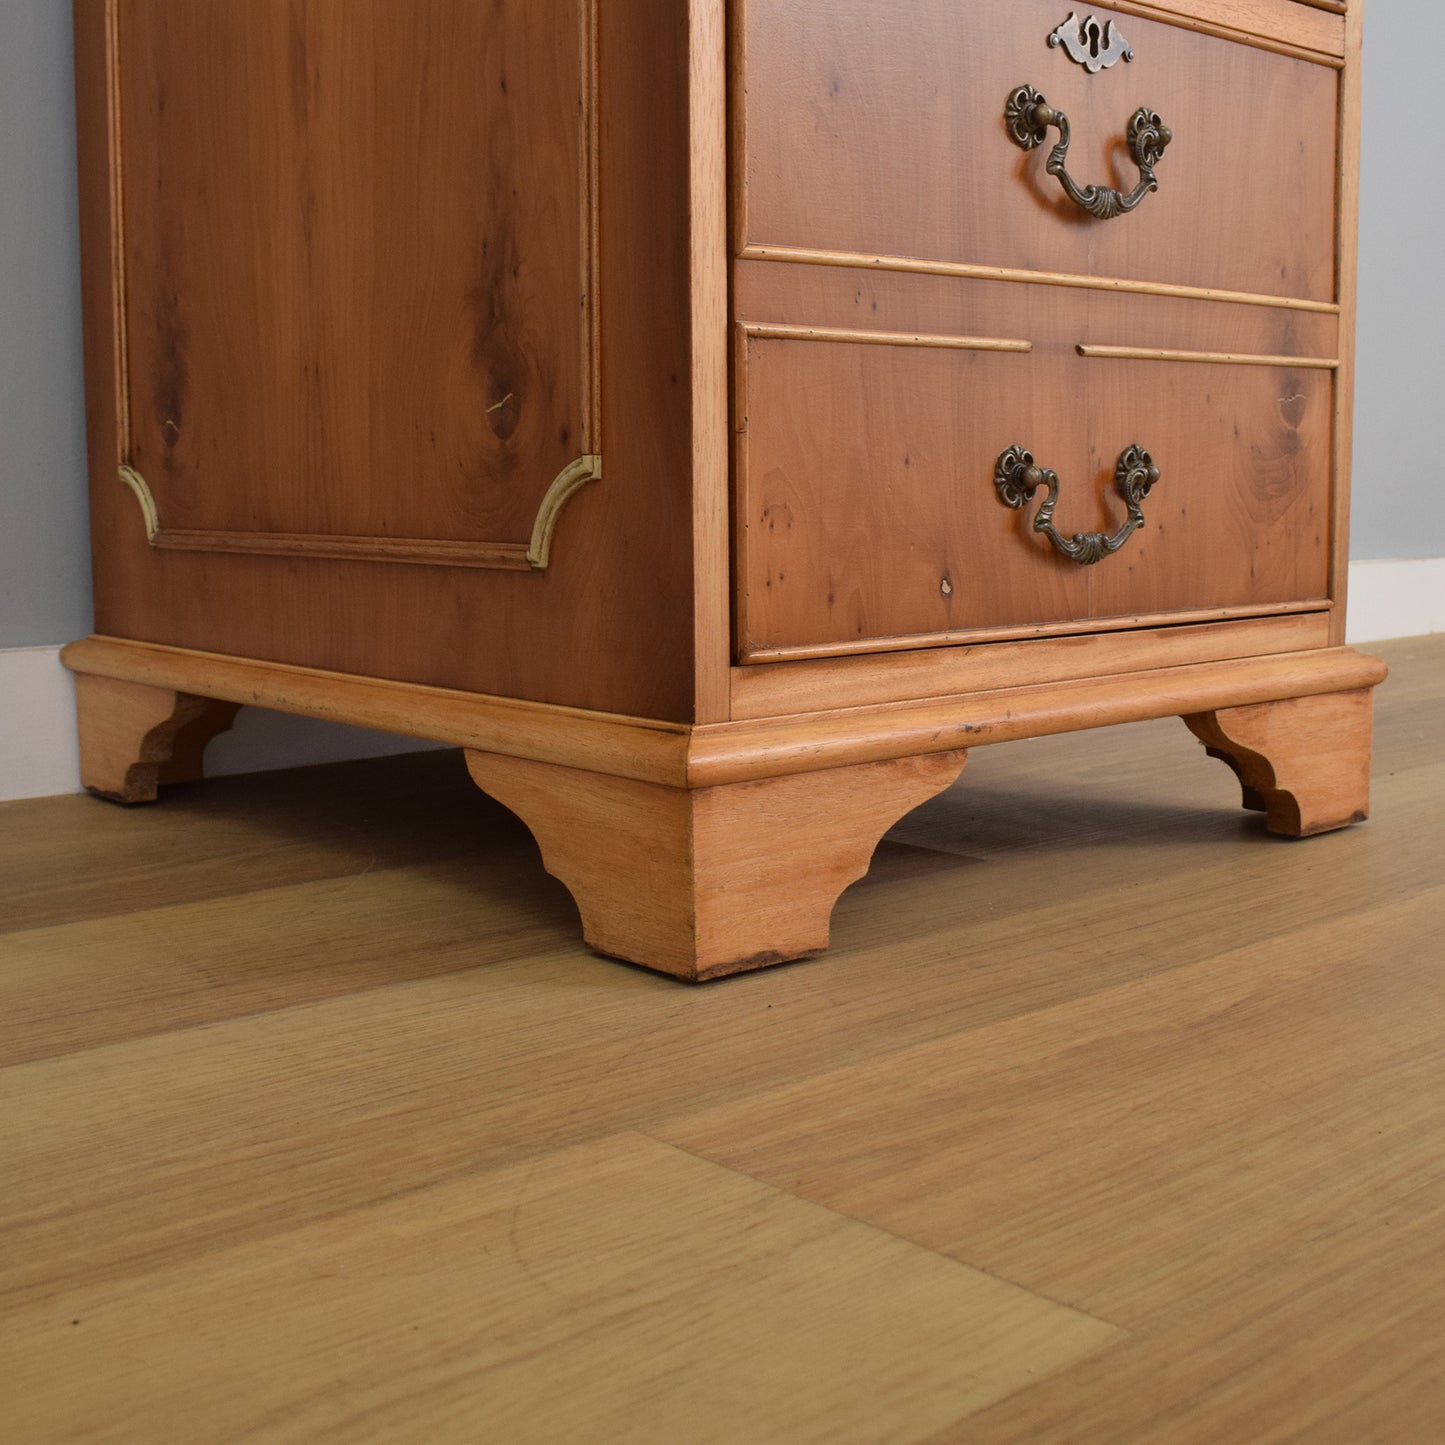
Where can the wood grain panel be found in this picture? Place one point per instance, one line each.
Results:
(880, 130)
(355, 240)
(867, 508)
(609, 626)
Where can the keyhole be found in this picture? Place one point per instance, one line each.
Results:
(1089, 35)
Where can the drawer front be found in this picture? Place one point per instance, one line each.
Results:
(867, 511)
(879, 131)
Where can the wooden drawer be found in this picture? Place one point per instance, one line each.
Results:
(867, 511)
(879, 131)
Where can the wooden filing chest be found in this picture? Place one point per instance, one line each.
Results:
(717, 416)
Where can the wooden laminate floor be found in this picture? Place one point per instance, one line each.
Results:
(1108, 1118)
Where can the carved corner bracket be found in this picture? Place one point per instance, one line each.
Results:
(143, 495)
(568, 482)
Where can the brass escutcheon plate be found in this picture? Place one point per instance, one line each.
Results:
(1094, 44)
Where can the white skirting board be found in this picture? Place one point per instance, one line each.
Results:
(1396, 599)
(37, 696)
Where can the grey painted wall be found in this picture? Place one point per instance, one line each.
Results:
(44, 577)
(44, 532)
(1399, 505)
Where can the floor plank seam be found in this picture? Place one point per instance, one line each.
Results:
(1124, 1332)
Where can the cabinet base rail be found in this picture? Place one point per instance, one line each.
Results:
(710, 850)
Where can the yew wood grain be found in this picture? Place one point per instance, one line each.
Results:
(677, 757)
(867, 507)
(679, 845)
(882, 131)
(1304, 763)
(633, 747)
(703, 883)
(133, 737)
(610, 625)
(325, 336)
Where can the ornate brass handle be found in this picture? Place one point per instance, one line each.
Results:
(1017, 477)
(1029, 117)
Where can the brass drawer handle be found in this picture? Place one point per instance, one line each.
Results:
(1017, 477)
(1029, 117)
